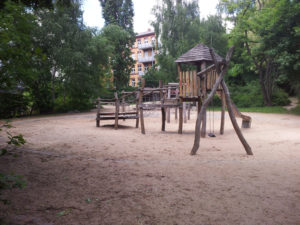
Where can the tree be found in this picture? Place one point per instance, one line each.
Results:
(267, 31)
(213, 34)
(177, 28)
(118, 15)
(77, 58)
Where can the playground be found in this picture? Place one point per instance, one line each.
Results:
(77, 173)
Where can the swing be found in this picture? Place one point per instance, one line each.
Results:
(212, 111)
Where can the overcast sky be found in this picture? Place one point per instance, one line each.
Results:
(92, 14)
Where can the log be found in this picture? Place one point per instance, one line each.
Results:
(233, 119)
(203, 128)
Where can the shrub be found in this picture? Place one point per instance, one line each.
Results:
(280, 97)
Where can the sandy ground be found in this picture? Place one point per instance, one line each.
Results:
(77, 173)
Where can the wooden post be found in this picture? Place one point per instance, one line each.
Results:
(141, 108)
(137, 110)
(98, 112)
(189, 110)
(163, 112)
(180, 79)
(184, 112)
(204, 91)
(116, 110)
(168, 109)
(176, 108)
(180, 118)
(222, 112)
(123, 103)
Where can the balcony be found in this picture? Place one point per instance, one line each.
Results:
(141, 73)
(146, 45)
(146, 59)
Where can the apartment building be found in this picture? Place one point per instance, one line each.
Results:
(143, 52)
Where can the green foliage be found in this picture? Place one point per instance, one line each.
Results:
(213, 34)
(247, 96)
(280, 97)
(153, 76)
(296, 110)
(118, 16)
(250, 95)
(121, 61)
(9, 181)
(265, 109)
(266, 37)
(49, 59)
(177, 28)
(118, 12)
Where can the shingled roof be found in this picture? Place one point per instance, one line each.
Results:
(199, 53)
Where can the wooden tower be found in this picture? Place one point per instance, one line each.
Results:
(201, 84)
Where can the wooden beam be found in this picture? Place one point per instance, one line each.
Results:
(137, 110)
(116, 111)
(168, 109)
(233, 119)
(141, 109)
(98, 112)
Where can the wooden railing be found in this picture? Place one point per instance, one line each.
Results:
(188, 84)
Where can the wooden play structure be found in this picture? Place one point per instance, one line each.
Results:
(201, 83)
(116, 114)
(201, 72)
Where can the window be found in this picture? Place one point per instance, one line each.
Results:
(133, 56)
(133, 70)
(139, 54)
(133, 82)
(146, 40)
(139, 67)
(146, 54)
(153, 40)
(146, 68)
(139, 41)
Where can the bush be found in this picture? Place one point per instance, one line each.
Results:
(280, 97)
(247, 96)
(250, 95)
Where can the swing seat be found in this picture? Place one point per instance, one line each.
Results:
(211, 135)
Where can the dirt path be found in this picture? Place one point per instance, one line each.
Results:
(293, 104)
(79, 174)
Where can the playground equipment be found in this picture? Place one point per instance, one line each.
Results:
(201, 84)
(116, 115)
(201, 72)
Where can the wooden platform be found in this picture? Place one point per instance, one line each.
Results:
(120, 117)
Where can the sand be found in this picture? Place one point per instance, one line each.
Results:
(77, 173)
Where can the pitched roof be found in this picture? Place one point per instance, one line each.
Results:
(199, 53)
(145, 33)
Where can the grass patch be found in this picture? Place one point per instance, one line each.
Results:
(266, 109)
(296, 110)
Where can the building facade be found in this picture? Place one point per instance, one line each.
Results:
(143, 52)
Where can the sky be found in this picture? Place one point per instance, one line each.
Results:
(92, 13)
